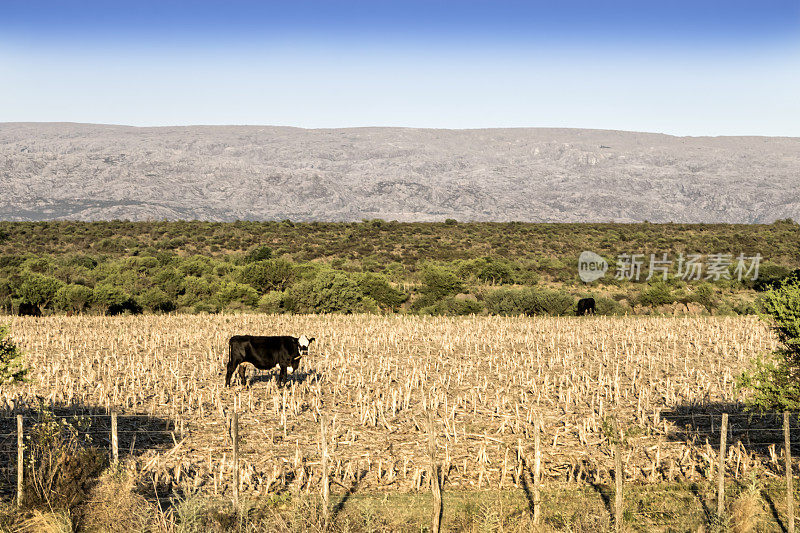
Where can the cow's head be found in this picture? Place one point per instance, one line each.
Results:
(303, 343)
(302, 349)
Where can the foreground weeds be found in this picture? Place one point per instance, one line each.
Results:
(117, 504)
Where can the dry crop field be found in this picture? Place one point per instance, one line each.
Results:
(376, 378)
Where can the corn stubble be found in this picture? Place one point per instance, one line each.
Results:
(377, 379)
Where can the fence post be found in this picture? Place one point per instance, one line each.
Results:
(114, 438)
(325, 481)
(20, 462)
(618, 475)
(235, 435)
(787, 443)
(537, 464)
(436, 488)
(723, 437)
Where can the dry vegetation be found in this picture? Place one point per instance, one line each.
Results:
(374, 378)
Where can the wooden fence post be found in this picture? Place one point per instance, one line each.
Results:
(537, 465)
(325, 480)
(618, 475)
(436, 487)
(235, 435)
(787, 443)
(114, 438)
(20, 462)
(723, 437)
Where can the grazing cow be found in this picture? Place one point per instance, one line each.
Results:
(586, 306)
(29, 309)
(264, 353)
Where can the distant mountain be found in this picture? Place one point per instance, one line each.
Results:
(95, 172)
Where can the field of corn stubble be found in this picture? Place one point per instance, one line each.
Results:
(375, 379)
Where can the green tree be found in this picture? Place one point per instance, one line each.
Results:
(12, 367)
(774, 379)
(236, 293)
(105, 294)
(438, 282)
(378, 288)
(328, 292)
(156, 300)
(268, 275)
(39, 289)
(73, 298)
(171, 281)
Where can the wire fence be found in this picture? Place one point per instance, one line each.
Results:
(716, 448)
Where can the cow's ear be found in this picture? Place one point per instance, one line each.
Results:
(310, 340)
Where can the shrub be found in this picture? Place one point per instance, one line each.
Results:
(272, 302)
(328, 292)
(39, 289)
(61, 463)
(528, 301)
(73, 298)
(378, 288)
(156, 300)
(231, 292)
(488, 270)
(704, 295)
(268, 275)
(259, 253)
(774, 379)
(453, 306)
(198, 290)
(656, 294)
(608, 306)
(12, 367)
(107, 295)
(171, 281)
(439, 282)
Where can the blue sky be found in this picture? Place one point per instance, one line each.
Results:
(686, 68)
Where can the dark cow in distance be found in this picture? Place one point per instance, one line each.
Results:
(586, 306)
(264, 353)
(29, 309)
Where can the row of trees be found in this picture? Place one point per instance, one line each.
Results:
(258, 280)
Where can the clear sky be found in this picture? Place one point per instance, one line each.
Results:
(700, 67)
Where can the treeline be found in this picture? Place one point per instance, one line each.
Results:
(372, 244)
(161, 281)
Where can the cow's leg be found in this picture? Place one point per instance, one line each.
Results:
(242, 375)
(229, 372)
(282, 376)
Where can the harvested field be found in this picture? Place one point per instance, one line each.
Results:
(375, 378)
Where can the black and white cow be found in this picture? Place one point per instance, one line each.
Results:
(265, 353)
